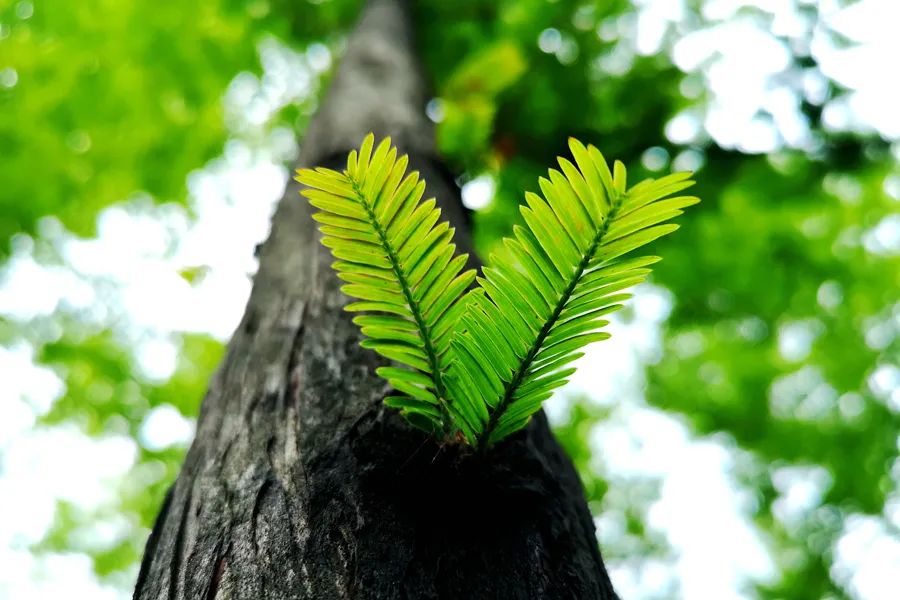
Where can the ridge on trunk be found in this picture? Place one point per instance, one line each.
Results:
(300, 484)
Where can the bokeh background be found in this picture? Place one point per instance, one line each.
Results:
(738, 436)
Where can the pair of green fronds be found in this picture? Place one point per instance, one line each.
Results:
(478, 363)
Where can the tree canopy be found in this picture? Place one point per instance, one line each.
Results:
(143, 145)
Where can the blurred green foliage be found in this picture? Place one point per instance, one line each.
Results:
(112, 99)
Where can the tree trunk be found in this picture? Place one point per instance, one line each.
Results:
(300, 484)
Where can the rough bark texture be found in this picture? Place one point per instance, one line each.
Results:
(300, 484)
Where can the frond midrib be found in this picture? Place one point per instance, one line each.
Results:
(514, 383)
(419, 319)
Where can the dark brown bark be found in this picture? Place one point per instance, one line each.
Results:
(300, 484)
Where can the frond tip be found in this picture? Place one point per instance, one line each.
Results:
(481, 363)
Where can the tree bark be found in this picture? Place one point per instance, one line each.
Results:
(300, 484)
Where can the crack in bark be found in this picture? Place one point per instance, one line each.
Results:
(175, 566)
(296, 346)
(254, 515)
(218, 571)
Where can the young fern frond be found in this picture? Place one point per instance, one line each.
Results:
(549, 291)
(480, 363)
(400, 263)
